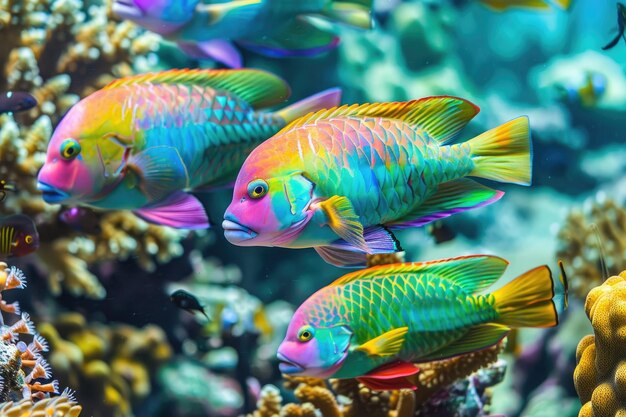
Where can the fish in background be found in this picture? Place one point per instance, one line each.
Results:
(440, 232)
(587, 93)
(4, 187)
(275, 28)
(621, 25)
(342, 180)
(16, 101)
(81, 219)
(378, 324)
(18, 236)
(188, 302)
(504, 5)
(141, 142)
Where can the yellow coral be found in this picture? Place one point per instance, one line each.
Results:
(600, 374)
(63, 405)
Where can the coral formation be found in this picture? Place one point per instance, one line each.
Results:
(63, 405)
(592, 243)
(109, 366)
(600, 375)
(60, 51)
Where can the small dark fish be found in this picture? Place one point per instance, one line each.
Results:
(16, 101)
(621, 25)
(187, 301)
(441, 232)
(4, 187)
(18, 236)
(81, 219)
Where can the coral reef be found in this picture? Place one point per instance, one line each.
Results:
(109, 366)
(592, 243)
(600, 375)
(63, 405)
(60, 51)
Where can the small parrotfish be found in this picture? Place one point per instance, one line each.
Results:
(188, 302)
(4, 187)
(378, 324)
(16, 101)
(349, 176)
(276, 28)
(587, 93)
(141, 142)
(621, 26)
(18, 236)
(503, 5)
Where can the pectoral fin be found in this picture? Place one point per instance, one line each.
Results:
(342, 258)
(161, 171)
(387, 344)
(179, 210)
(219, 50)
(344, 221)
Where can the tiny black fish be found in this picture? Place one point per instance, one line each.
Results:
(187, 301)
(16, 101)
(4, 187)
(18, 236)
(621, 25)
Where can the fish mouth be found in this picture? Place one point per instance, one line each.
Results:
(288, 366)
(127, 9)
(51, 194)
(236, 232)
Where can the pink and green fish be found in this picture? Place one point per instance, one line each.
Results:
(276, 28)
(142, 142)
(341, 180)
(377, 324)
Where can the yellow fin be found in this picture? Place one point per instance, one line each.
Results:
(387, 344)
(344, 221)
(474, 273)
(258, 88)
(441, 117)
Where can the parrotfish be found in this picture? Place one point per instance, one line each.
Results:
(341, 180)
(277, 28)
(18, 236)
(621, 26)
(141, 142)
(16, 101)
(378, 324)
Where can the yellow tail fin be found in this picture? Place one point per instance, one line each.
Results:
(527, 301)
(504, 153)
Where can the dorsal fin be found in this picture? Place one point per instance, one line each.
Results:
(258, 88)
(473, 273)
(441, 117)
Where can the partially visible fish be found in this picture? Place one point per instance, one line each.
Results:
(18, 236)
(587, 93)
(16, 101)
(188, 302)
(82, 219)
(621, 26)
(4, 187)
(276, 28)
(440, 232)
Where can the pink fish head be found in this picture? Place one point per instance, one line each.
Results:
(313, 350)
(269, 207)
(159, 16)
(85, 154)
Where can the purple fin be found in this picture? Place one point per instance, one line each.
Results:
(451, 197)
(180, 210)
(341, 257)
(378, 239)
(322, 100)
(219, 50)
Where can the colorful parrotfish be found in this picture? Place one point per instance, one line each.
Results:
(342, 180)
(376, 324)
(141, 142)
(277, 28)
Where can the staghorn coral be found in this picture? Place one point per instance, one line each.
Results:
(111, 366)
(63, 405)
(60, 51)
(592, 242)
(600, 374)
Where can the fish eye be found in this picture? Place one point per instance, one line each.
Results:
(257, 189)
(28, 239)
(70, 148)
(305, 333)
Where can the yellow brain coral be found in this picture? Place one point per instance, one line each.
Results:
(600, 375)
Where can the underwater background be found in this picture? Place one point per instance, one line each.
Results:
(99, 282)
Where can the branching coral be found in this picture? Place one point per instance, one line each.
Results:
(110, 366)
(600, 375)
(61, 50)
(63, 405)
(591, 243)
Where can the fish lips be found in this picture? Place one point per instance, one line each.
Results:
(236, 232)
(51, 194)
(288, 366)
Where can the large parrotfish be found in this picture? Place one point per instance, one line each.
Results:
(141, 142)
(343, 179)
(276, 28)
(376, 324)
